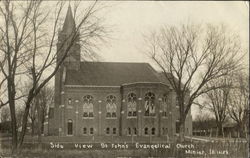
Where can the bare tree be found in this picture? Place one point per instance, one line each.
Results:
(190, 56)
(41, 102)
(218, 100)
(28, 44)
(238, 108)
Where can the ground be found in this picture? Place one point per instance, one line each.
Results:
(77, 147)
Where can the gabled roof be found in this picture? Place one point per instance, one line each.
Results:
(111, 74)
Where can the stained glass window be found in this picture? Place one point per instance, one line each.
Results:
(150, 104)
(131, 105)
(165, 104)
(111, 106)
(88, 107)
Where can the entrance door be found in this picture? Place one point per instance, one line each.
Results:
(70, 127)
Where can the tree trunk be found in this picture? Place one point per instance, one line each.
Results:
(182, 131)
(39, 125)
(220, 130)
(11, 97)
(32, 127)
(24, 123)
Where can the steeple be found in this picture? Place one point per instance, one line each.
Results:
(65, 37)
(69, 23)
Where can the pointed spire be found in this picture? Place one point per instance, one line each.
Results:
(69, 23)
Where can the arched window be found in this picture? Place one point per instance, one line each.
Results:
(149, 104)
(70, 127)
(84, 130)
(88, 107)
(91, 130)
(111, 106)
(146, 131)
(131, 105)
(69, 101)
(165, 104)
(153, 131)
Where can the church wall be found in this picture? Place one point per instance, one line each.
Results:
(99, 122)
(141, 121)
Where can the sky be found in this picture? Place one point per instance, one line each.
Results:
(130, 20)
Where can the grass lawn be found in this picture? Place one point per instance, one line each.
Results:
(73, 147)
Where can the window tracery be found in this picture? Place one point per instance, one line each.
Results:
(88, 107)
(132, 105)
(111, 106)
(150, 104)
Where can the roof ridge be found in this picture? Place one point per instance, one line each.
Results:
(114, 62)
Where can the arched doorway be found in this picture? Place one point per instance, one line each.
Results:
(70, 127)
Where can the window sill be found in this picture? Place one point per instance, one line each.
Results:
(88, 118)
(149, 116)
(111, 118)
(131, 117)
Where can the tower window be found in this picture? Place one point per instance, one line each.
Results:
(70, 127)
(69, 101)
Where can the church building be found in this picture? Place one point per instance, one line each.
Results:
(111, 98)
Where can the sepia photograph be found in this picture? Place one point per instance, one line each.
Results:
(124, 79)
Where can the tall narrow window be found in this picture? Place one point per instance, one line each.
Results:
(91, 131)
(88, 107)
(146, 131)
(153, 131)
(84, 130)
(132, 105)
(135, 131)
(111, 106)
(165, 104)
(149, 104)
(70, 127)
(114, 130)
(129, 131)
(107, 130)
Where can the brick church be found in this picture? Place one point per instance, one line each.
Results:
(111, 98)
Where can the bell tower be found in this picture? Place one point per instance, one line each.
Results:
(68, 43)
